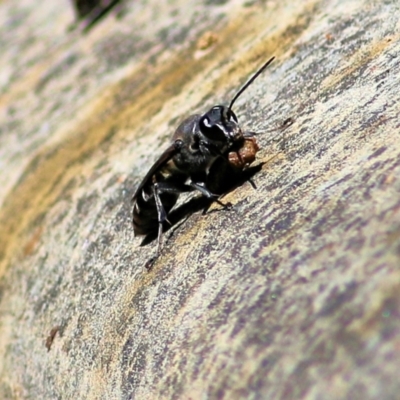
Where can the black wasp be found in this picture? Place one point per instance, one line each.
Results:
(202, 147)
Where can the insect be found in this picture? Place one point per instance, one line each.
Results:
(203, 150)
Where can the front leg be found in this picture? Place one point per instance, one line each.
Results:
(205, 192)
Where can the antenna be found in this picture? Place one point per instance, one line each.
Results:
(249, 82)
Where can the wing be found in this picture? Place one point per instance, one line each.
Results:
(162, 160)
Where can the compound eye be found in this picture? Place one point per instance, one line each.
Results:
(210, 129)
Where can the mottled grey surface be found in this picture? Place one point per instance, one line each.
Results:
(295, 293)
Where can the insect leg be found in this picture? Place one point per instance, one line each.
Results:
(158, 188)
(205, 192)
(161, 215)
(173, 188)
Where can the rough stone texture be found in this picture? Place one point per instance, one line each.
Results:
(293, 294)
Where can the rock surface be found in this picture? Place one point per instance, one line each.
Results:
(295, 293)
